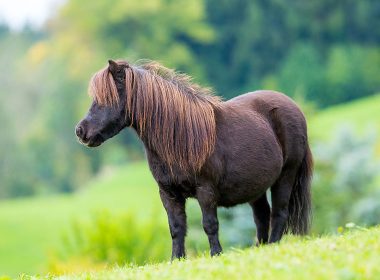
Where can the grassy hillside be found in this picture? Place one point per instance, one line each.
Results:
(354, 255)
(362, 115)
(31, 229)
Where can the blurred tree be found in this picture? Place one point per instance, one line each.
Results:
(251, 39)
(258, 40)
(352, 71)
(15, 111)
(325, 52)
(302, 73)
(153, 29)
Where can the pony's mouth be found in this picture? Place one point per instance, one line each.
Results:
(92, 142)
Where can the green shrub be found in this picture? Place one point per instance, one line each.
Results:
(112, 239)
(345, 181)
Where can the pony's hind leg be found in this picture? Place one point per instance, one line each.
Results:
(261, 215)
(280, 193)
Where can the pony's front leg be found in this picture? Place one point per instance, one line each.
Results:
(175, 208)
(210, 219)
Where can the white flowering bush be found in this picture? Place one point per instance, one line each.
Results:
(346, 182)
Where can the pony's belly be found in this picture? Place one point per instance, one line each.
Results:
(243, 185)
(238, 194)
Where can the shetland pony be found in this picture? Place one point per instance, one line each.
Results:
(222, 153)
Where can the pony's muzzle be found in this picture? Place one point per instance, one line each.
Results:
(87, 136)
(82, 132)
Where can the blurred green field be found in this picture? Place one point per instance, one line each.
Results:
(363, 116)
(31, 229)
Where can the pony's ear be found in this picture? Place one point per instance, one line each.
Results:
(112, 66)
(115, 67)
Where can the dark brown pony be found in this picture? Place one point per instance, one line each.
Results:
(221, 153)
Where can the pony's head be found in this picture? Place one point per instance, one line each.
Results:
(172, 115)
(106, 116)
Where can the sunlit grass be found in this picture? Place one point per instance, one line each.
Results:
(353, 255)
(362, 116)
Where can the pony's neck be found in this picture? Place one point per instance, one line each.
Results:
(173, 119)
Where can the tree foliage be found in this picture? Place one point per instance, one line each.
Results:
(325, 52)
(257, 41)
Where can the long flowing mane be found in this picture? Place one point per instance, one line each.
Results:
(173, 116)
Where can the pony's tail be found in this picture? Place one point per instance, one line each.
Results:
(299, 220)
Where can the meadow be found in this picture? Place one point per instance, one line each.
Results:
(353, 255)
(31, 228)
(362, 115)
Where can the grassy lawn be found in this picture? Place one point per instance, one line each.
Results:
(31, 229)
(353, 255)
(362, 116)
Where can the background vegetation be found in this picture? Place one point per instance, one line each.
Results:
(73, 203)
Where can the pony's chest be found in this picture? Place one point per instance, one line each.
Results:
(184, 188)
(172, 182)
(175, 187)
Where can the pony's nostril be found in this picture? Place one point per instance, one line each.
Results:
(79, 131)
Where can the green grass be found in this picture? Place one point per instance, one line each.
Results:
(354, 255)
(31, 229)
(363, 116)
